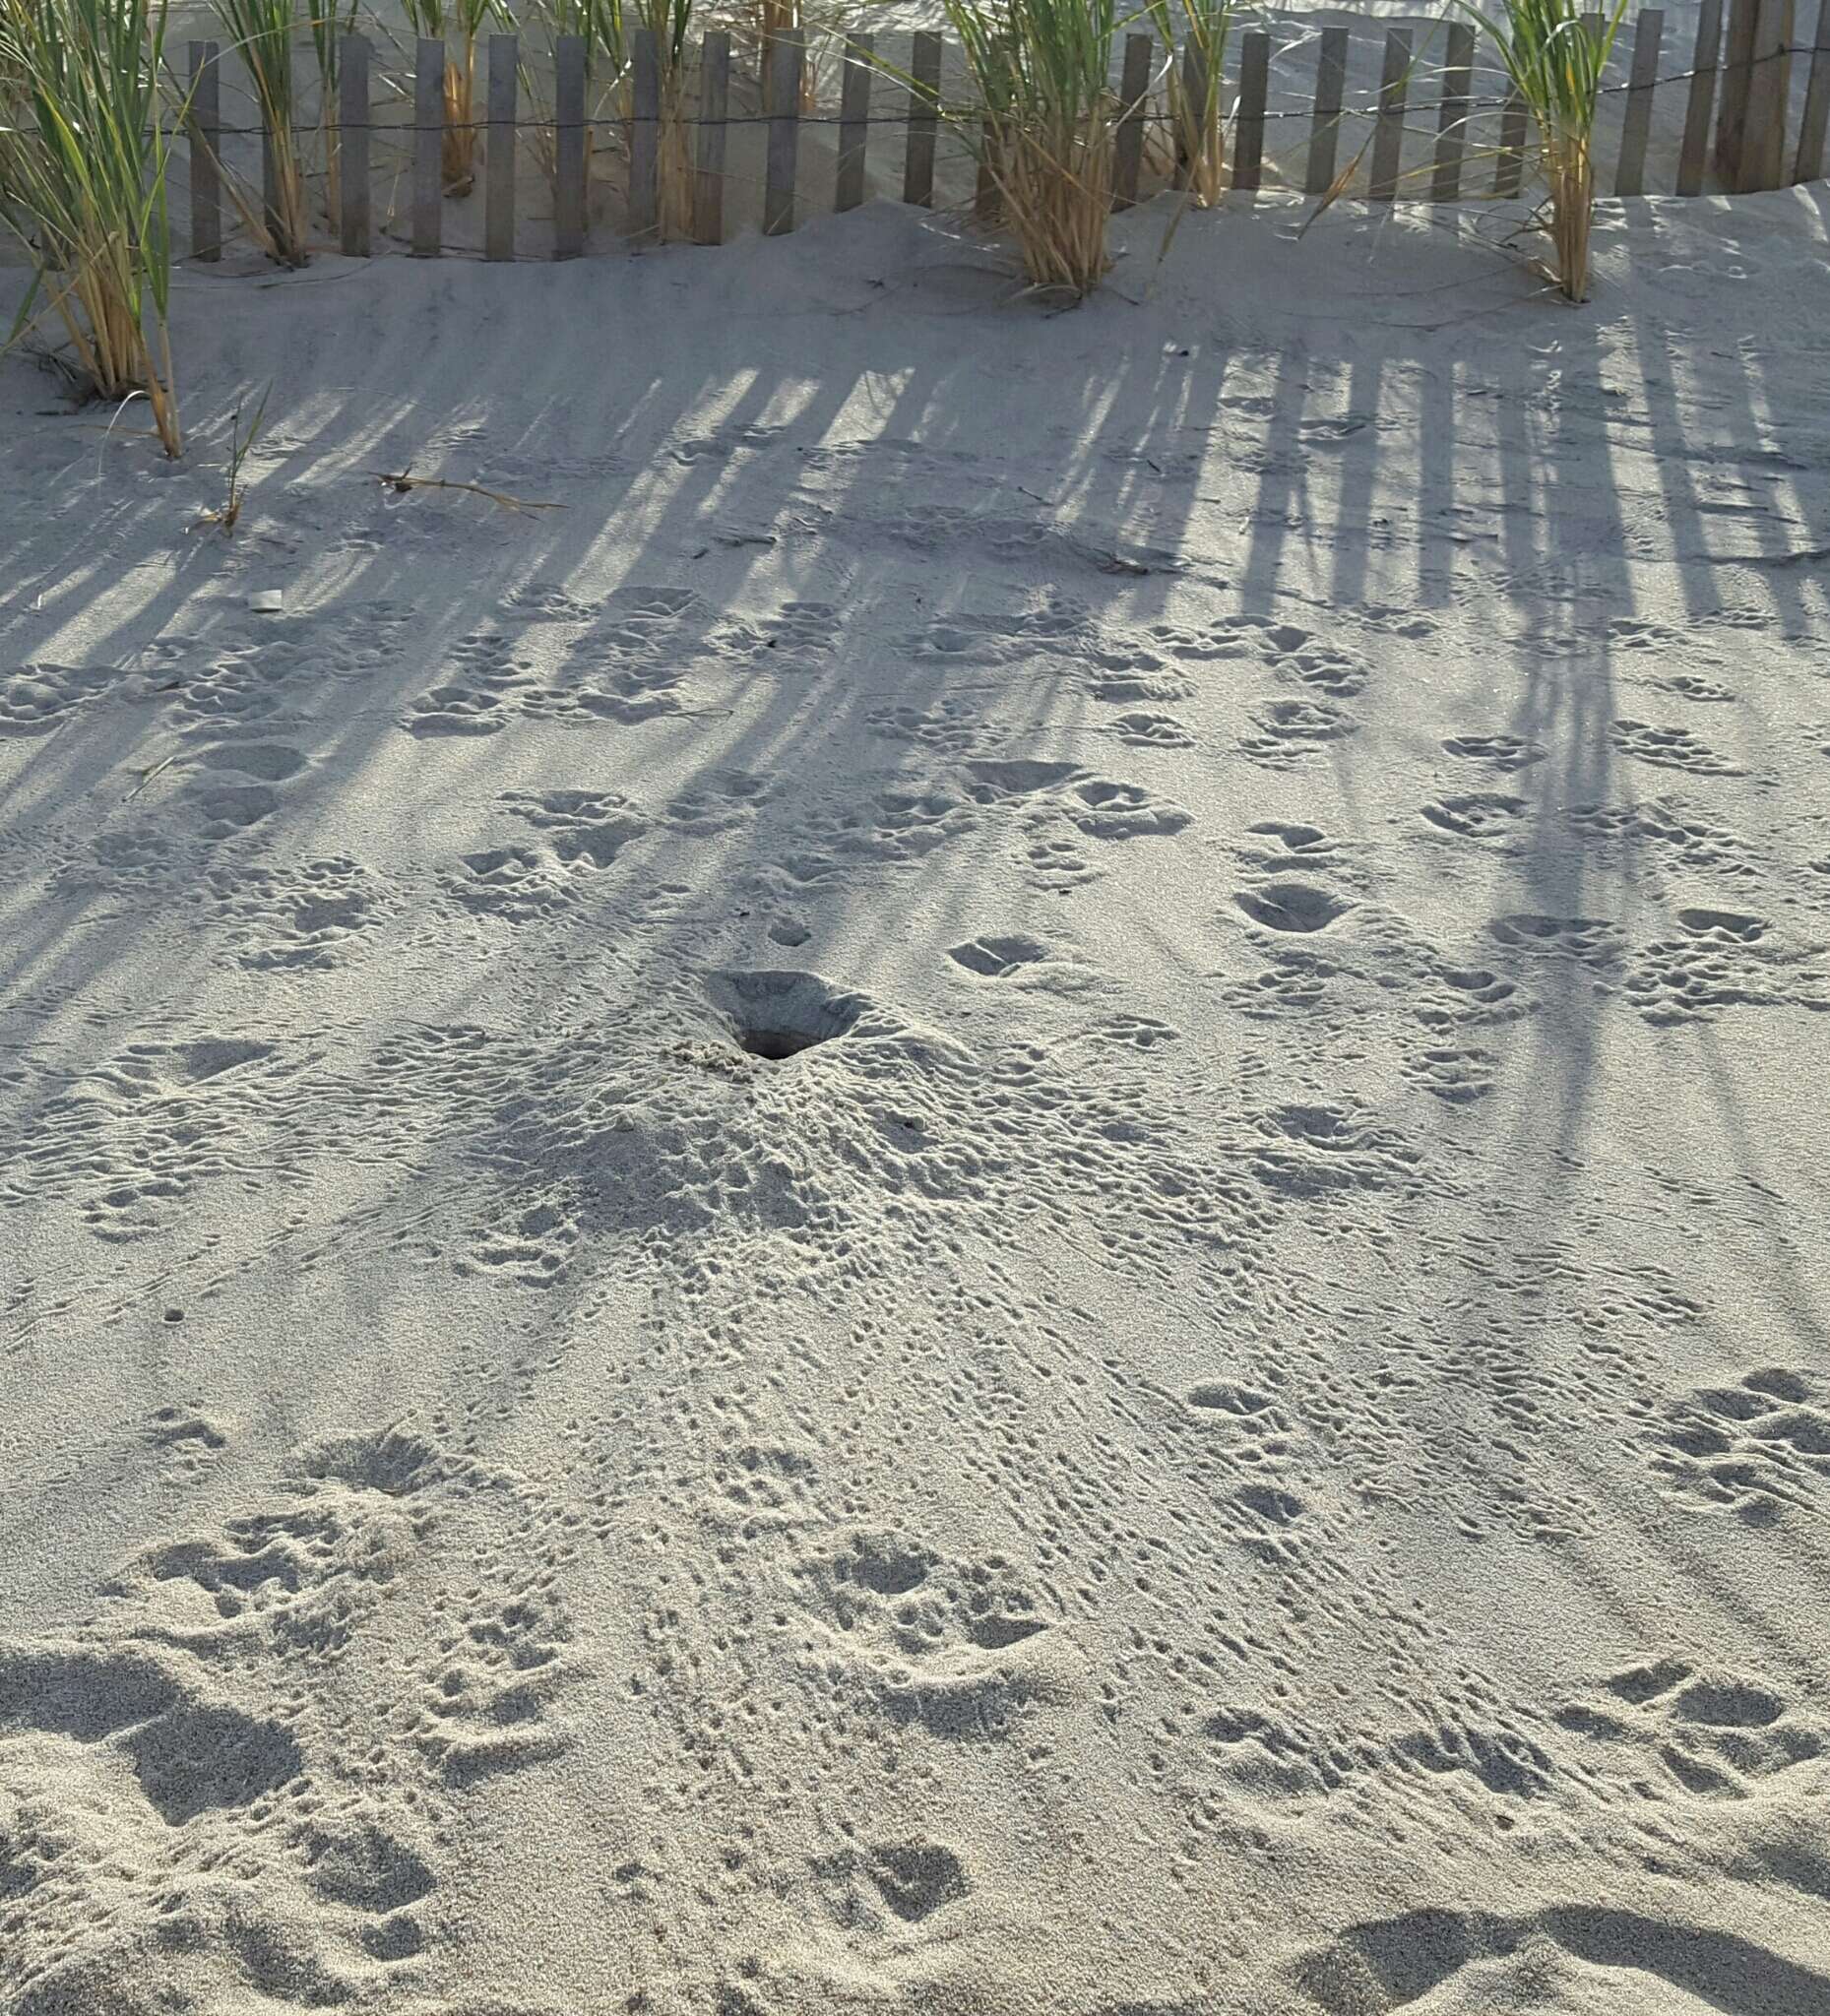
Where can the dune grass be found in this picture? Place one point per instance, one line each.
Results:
(1198, 132)
(670, 22)
(1555, 60)
(83, 161)
(263, 33)
(456, 24)
(1043, 115)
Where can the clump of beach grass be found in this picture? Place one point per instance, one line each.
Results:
(1556, 58)
(598, 24)
(456, 24)
(669, 22)
(83, 161)
(263, 33)
(1042, 117)
(1196, 132)
(330, 24)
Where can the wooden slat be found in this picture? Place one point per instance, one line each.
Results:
(571, 161)
(499, 161)
(1196, 86)
(428, 145)
(853, 120)
(206, 122)
(785, 60)
(714, 104)
(1636, 127)
(1249, 141)
(1133, 94)
(1769, 91)
(1736, 70)
(352, 117)
(1452, 121)
(1514, 130)
(1809, 163)
(1693, 157)
(923, 119)
(1388, 135)
(1325, 127)
(643, 131)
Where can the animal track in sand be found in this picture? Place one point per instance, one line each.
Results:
(1710, 1733)
(1760, 1448)
(314, 915)
(1151, 729)
(37, 699)
(1478, 815)
(1499, 752)
(1455, 1072)
(1671, 748)
(1292, 906)
(1591, 940)
(1722, 958)
(271, 762)
(997, 958)
(1599, 1952)
(1294, 731)
(1666, 831)
(1278, 844)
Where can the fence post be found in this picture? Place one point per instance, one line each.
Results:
(499, 161)
(923, 119)
(853, 121)
(1388, 133)
(1197, 96)
(1648, 33)
(571, 160)
(1128, 148)
(1452, 121)
(1810, 164)
(205, 123)
(1325, 127)
(1769, 88)
(785, 58)
(353, 116)
(1707, 60)
(714, 104)
(428, 146)
(1248, 143)
(1736, 69)
(643, 133)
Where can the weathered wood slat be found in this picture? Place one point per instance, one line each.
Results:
(1452, 121)
(1636, 129)
(1514, 131)
(1248, 133)
(785, 60)
(1769, 92)
(1134, 96)
(1809, 161)
(1736, 77)
(1325, 126)
(1196, 103)
(923, 119)
(571, 160)
(205, 125)
(714, 107)
(352, 117)
(1388, 135)
(499, 160)
(428, 141)
(1705, 63)
(853, 119)
(643, 131)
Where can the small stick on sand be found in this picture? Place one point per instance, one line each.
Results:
(406, 481)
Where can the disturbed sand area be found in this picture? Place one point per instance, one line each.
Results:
(1243, 1428)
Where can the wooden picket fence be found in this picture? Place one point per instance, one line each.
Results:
(1744, 88)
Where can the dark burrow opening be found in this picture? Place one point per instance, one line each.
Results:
(776, 1046)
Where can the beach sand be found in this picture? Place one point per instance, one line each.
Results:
(1005, 1195)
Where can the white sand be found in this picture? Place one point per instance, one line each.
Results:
(1248, 1432)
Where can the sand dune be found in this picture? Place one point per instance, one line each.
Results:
(1004, 1195)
